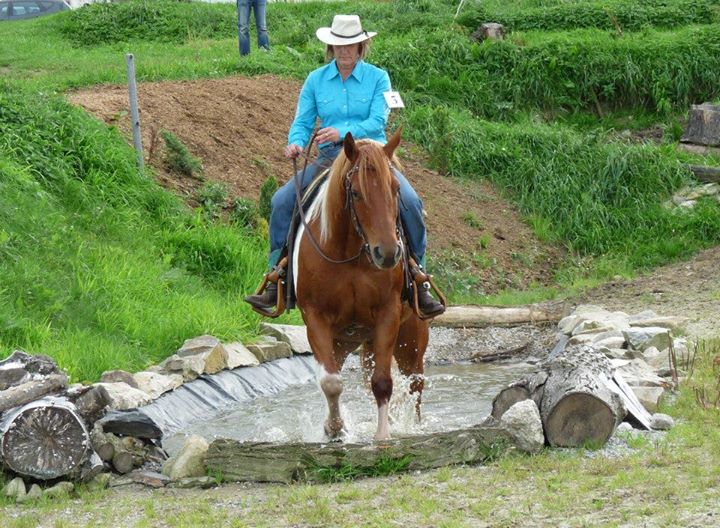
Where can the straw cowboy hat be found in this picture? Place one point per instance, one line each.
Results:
(345, 29)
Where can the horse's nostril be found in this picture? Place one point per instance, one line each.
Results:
(377, 254)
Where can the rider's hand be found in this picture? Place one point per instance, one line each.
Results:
(293, 151)
(327, 135)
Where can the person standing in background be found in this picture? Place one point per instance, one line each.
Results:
(259, 7)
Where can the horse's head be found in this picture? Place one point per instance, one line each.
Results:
(364, 191)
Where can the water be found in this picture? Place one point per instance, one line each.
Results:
(456, 395)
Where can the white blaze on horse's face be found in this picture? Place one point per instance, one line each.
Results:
(374, 198)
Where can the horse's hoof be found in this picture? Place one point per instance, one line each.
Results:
(334, 429)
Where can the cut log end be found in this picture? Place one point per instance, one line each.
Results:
(45, 442)
(578, 419)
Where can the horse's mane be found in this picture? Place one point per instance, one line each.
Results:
(333, 199)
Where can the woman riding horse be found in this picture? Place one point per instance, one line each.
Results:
(347, 96)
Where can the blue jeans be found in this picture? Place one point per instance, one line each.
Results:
(283, 201)
(259, 8)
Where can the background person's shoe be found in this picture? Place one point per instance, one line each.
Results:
(267, 300)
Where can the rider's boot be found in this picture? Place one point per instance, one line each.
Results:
(267, 299)
(427, 305)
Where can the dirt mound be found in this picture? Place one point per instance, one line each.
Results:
(238, 127)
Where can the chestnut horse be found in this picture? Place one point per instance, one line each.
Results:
(349, 279)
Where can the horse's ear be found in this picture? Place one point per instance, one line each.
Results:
(351, 150)
(393, 143)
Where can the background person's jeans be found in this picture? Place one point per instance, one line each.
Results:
(259, 7)
(283, 201)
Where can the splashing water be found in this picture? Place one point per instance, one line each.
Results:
(456, 396)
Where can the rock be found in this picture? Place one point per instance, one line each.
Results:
(640, 338)
(11, 375)
(524, 424)
(637, 373)
(151, 479)
(34, 493)
(591, 327)
(293, 335)
(624, 427)
(123, 396)
(650, 318)
(240, 356)
(100, 481)
(269, 349)
(155, 384)
(130, 423)
(649, 396)
(61, 489)
(118, 376)
(15, 488)
(188, 367)
(189, 461)
(662, 422)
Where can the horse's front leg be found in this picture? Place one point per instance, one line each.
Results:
(382, 384)
(321, 341)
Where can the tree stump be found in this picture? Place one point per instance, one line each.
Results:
(489, 30)
(577, 398)
(44, 439)
(703, 125)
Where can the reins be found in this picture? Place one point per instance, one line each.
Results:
(350, 204)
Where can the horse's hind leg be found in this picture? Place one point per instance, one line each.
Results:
(409, 353)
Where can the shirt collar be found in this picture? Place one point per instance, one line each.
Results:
(358, 70)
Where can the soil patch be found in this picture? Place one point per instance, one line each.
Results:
(238, 127)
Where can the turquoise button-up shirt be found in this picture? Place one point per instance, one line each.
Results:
(356, 105)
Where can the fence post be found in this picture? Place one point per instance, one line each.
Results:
(134, 114)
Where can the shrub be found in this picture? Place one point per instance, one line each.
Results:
(269, 186)
(178, 158)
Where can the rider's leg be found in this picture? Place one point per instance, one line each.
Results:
(281, 207)
(411, 215)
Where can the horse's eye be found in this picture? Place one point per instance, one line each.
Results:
(356, 195)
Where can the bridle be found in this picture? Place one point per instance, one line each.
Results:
(349, 205)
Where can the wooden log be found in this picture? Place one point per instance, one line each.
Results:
(576, 395)
(45, 439)
(31, 391)
(267, 462)
(483, 316)
(705, 174)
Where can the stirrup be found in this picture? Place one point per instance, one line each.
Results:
(420, 279)
(276, 275)
(415, 305)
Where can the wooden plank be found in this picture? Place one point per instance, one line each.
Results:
(634, 407)
(268, 462)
